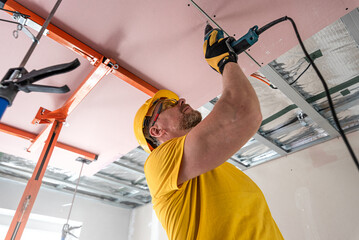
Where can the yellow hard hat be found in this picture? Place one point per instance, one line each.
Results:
(141, 114)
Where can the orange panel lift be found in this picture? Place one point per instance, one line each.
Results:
(55, 119)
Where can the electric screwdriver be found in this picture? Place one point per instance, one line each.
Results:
(250, 38)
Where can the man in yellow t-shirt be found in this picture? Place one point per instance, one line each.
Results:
(196, 194)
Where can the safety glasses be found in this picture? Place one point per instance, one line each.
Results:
(164, 104)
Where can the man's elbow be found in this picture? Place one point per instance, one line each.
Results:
(254, 118)
(257, 119)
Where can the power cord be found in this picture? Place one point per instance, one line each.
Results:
(331, 105)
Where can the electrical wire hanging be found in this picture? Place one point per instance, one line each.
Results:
(306, 69)
(263, 79)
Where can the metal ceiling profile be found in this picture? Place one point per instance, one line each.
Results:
(103, 186)
(308, 121)
(284, 87)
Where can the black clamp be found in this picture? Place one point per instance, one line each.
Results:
(19, 79)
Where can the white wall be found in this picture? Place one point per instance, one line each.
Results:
(313, 195)
(100, 221)
(145, 225)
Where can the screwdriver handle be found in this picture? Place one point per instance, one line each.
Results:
(245, 42)
(242, 44)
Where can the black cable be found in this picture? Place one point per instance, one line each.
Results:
(3, 20)
(331, 105)
(300, 74)
(271, 24)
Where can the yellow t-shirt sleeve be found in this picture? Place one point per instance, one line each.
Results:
(162, 167)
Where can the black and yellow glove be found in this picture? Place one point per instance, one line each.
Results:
(217, 50)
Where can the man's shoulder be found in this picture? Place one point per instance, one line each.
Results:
(167, 149)
(168, 145)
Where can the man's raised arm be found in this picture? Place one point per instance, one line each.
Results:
(235, 118)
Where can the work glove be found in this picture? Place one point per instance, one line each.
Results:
(217, 50)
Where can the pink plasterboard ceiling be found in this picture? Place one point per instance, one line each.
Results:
(159, 41)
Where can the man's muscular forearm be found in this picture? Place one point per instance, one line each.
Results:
(239, 93)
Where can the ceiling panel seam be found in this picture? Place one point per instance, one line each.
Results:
(215, 23)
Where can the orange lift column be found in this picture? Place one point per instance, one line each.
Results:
(32, 188)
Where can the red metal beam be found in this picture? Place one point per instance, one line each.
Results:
(82, 49)
(135, 81)
(33, 186)
(31, 137)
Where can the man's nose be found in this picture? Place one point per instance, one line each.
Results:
(181, 101)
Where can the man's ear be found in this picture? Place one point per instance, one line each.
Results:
(156, 132)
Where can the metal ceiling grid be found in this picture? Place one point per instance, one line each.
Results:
(113, 188)
(308, 120)
(338, 62)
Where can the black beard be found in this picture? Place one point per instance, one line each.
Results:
(190, 120)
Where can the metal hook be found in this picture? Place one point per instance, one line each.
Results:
(15, 33)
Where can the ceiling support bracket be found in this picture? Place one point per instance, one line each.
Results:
(104, 67)
(296, 98)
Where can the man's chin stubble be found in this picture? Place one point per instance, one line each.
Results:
(190, 120)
